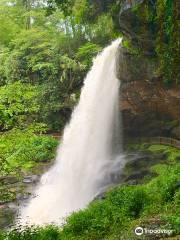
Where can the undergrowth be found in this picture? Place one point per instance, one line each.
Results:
(151, 205)
(20, 150)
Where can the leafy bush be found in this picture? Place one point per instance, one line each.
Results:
(20, 150)
(123, 206)
(18, 104)
(167, 183)
(86, 53)
(48, 233)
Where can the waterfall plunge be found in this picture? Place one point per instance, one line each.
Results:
(87, 155)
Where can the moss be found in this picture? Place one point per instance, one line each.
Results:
(6, 218)
(170, 153)
(167, 40)
(131, 49)
(159, 19)
(155, 148)
(136, 147)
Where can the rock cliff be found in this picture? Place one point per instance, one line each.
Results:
(149, 108)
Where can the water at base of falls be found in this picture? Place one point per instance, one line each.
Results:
(87, 155)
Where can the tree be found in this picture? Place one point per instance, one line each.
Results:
(10, 21)
(86, 53)
(18, 105)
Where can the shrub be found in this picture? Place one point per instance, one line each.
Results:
(21, 149)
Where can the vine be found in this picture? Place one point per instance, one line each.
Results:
(166, 41)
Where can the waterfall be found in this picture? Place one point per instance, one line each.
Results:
(87, 154)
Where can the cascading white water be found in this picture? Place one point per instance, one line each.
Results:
(86, 155)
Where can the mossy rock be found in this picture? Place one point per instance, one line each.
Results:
(6, 217)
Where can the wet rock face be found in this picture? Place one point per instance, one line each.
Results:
(136, 171)
(15, 192)
(147, 105)
(135, 25)
(137, 59)
(6, 217)
(133, 67)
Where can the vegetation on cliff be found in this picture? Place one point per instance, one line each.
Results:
(155, 30)
(167, 41)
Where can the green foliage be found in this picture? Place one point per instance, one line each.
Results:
(128, 45)
(32, 59)
(172, 154)
(65, 5)
(167, 183)
(47, 233)
(159, 19)
(103, 31)
(4, 53)
(37, 60)
(81, 10)
(51, 47)
(20, 150)
(167, 45)
(123, 208)
(18, 104)
(10, 20)
(6, 195)
(88, 12)
(86, 53)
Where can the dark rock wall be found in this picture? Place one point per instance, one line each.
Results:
(148, 107)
